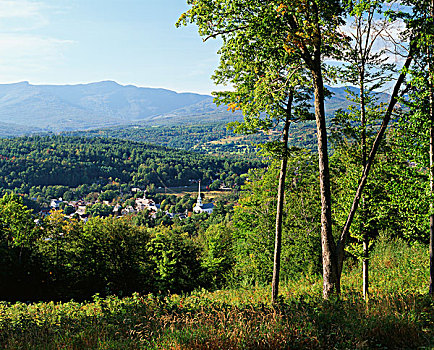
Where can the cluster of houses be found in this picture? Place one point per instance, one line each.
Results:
(140, 204)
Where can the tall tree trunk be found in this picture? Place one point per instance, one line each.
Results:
(365, 261)
(431, 180)
(431, 159)
(280, 200)
(331, 280)
(330, 276)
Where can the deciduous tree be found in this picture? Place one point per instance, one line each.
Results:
(307, 32)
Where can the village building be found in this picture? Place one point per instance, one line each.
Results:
(128, 210)
(81, 210)
(117, 210)
(145, 203)
(202, 207)
(55, 203)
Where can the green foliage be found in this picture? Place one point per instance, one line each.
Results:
(254, 220)
(18, 266)
(99, 209)
(69, 210)
(104, 255)
(16, 221)
(108, 195)
(143, 218)
(218, 257)
(396, 200)
(408, 198)
(175, 261)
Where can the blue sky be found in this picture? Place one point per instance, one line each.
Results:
(79, 41)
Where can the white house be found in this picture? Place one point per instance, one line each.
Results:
(144, 203)
(55, 203)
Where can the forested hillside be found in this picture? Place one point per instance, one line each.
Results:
(33, 165)
(208, 138)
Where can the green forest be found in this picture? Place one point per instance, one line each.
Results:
(208, 138)
(318, 239)
(46, 167)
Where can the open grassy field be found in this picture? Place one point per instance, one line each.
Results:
(229, 139)
(399, 315)
(192, 190)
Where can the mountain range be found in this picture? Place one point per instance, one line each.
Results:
(26, 108)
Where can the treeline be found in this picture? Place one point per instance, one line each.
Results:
(33, 165)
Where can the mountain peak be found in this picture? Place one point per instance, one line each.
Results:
(21, 83)
(106, 83)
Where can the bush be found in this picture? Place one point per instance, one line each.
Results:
(175, 261)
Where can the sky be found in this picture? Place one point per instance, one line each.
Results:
(81, 41)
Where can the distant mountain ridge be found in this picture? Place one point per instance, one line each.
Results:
(83, 106)
(26, 108)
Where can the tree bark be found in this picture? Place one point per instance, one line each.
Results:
(313, 60)
(280, 200)
(431, 216)
(431, 180)
(330, 277)
(365, 261)
(431, 161)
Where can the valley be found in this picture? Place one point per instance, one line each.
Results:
(217, 174)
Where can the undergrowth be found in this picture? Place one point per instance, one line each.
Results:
(398, 315)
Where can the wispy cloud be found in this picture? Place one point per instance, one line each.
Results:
(20, 8)
(22, 48)
(21, 55)
(22, 15)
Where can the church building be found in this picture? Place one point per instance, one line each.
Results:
(201, 207)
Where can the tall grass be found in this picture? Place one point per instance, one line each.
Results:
(398, 315)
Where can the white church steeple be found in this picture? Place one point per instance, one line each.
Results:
(199, 198)
(202, 208)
